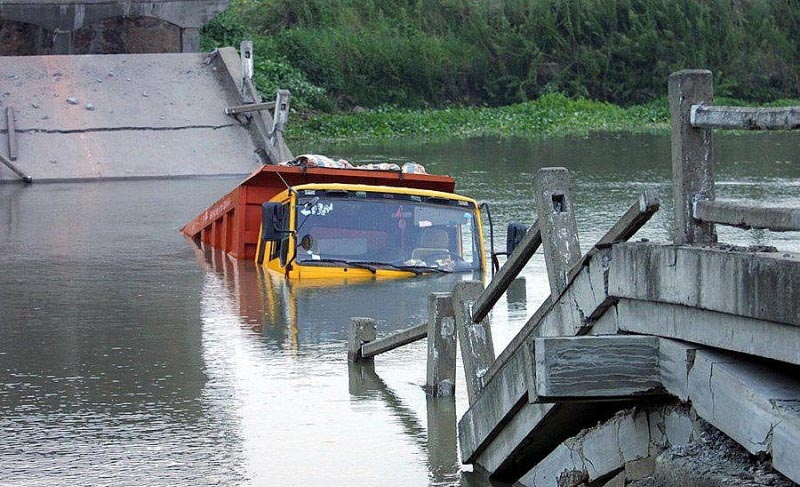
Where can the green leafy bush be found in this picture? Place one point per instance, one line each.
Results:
(444, 53)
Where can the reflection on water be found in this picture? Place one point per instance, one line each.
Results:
(299, 413)
(129, 356)
(101, 376)
(297, 313)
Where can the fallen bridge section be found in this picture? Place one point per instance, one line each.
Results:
(125, 116)
(751, 402)
(746, 301)
(732, 300)
(716, 326)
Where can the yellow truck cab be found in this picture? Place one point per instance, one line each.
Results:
(359, 231)
(316, 218)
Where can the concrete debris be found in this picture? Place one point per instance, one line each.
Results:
(72, 100)
(713, 459)
(573, 478)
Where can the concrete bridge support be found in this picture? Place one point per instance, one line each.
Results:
(707, 326)
(106, 27)
(535, 398)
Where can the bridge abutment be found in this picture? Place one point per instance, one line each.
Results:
(105, 27)
(714, 328)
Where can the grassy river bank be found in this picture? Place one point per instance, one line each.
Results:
(551, 115)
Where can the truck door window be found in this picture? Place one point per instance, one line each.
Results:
(280, 248)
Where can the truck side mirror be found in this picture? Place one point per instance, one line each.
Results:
(516, 232)
(273, 221)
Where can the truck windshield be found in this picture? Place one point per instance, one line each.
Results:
(391, 229)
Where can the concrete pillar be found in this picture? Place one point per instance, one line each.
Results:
(279, 122)
(692, 155)
(361, 331)
(190, 39)
(558, 226)
(62, 42)
(475, 339)
(441, 377)
(246, 54)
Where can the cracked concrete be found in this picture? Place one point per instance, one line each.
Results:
(152, 115)
(603, 451)
(711, 459)
(682, 451)
(119, 129)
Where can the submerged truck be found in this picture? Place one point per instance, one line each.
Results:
(308, 221)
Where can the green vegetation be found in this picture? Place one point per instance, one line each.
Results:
(424, 53)
(551, 114)
(540, 61)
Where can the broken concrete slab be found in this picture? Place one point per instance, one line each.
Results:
(785, 440)
(135, 154)
(625, 442)
(154, 115)
(760, 285)
(744, 400)
(719, 330)
(595, 367)
(534, 431)
(505, 385)
(675, 360)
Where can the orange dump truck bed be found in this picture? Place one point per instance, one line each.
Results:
(232, 223)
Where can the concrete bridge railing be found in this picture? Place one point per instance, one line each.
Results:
(694, 116)
(640, 346)
(665, 316)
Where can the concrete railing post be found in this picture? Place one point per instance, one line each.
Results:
(281, 116)
(279, 121)
(62, 41)
(361, 331)
(692, 155)
(475, 339)
(558, 226)
(246, 54)
(441, 376)
(190, 39)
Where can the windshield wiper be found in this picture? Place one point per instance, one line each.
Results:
(360, 265)
(372, 265)
(416, 269)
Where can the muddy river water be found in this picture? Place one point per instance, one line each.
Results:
(130, 357)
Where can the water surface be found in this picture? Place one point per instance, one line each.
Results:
(129, 356)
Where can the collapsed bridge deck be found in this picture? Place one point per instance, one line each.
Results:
(128, 116)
